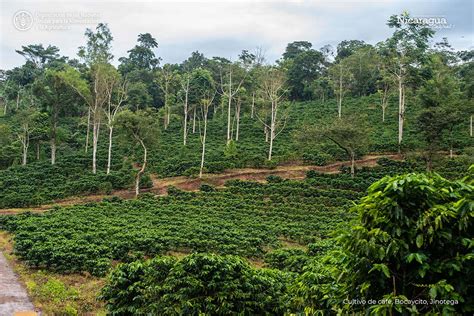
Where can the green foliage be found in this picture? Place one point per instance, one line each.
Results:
(244, 219)
(412, 241)
(40, 183)
(198, 284)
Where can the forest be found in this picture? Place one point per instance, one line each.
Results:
(334, 180)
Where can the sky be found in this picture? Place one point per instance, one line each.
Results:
(218, 28)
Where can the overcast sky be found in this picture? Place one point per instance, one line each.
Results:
(219, 28)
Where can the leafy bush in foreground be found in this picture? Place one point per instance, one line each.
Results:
(198, 284)
(413, 241)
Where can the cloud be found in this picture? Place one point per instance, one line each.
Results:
(224, 28)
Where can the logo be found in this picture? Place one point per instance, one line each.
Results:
(23, 20)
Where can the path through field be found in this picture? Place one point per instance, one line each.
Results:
(13, 297)
(160, 185)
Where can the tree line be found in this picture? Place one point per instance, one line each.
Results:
(141, 96)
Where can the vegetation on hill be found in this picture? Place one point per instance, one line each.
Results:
(394, 238)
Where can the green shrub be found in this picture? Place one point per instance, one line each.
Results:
(193, 171)
(274, 179)
(207, 188)
(198, 284)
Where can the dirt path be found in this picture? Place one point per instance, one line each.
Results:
(13, 297)
(160, 185)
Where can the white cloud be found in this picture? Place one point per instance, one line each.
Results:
(221, 27)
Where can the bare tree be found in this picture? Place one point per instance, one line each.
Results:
(95, 95)
(384, 93)
(25, 120)
(185, 87)
(237, 117)
(230, 86)
(205, 103)
(165, 80)
(273, 86)
(340, 77)
(117, 95)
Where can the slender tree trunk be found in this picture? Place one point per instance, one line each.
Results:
(25, 154)
(185, 128)
(203, 146)
(229, 105)
(88, 128)
(401, 109)
(25, 142)
(95, 138)
(38, 150)
(253, 105)
(109, 154)
(5, 108)
(272, 129)
(194, 120)
(265, 130)
(238, 121)
(142, 169)
(53, 136)
(53, 151)
(228, 116)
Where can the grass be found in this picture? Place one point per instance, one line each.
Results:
(53, 293)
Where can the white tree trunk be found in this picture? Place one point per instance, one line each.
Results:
(185, 128)
(352, 164)
(272, 129)
(109, 153)
(401, 108)
(253, 105)
(194, 120)
(238, 122)
(88, 128)
(203, 140)
(228, 114)
(53, 152)
(53, 142)
(95, 138)
(142, 169)
(25, 154)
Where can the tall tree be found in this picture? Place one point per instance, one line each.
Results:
(273, 85)
(56, 99)
(441, 101)
(140, 127)
(40, 56)
(97, 55)
(402, 53)
(348, 133)
(232, 78)
(116, 90)
(167, 81)
(341, 79)
(26, 123)
(140, 57)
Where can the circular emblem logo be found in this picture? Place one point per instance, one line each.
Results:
(23, 20)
